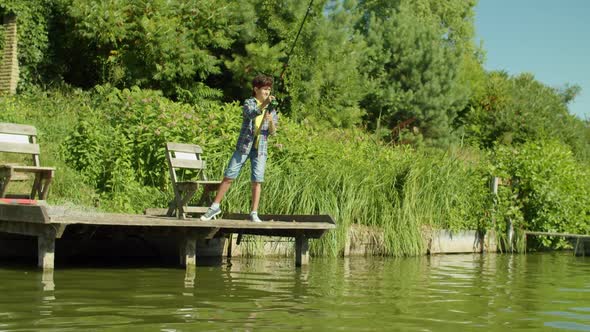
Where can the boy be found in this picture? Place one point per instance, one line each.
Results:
(260, 119)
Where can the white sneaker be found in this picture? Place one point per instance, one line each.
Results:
(254, 217)
(211, 212)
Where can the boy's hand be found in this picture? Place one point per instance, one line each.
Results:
(267, 101)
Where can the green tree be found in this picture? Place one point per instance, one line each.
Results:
(518, 109)
(322, 83)
(167, 45)
(413, 63)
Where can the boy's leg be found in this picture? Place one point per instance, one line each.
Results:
(256, 189)
(223, 188)
(258, 163)
(231, 172)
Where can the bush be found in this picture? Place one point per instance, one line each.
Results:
(549, 190)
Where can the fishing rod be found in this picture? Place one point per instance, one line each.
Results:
(281, 84)
(296, 38)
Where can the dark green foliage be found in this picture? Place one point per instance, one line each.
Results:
(414, 70)
(167, 45)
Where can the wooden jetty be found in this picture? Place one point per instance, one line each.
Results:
(21, 214)
(49, 224)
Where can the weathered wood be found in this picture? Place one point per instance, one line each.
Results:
(10, 141)
(20, 148)
(24, 213)
(301, 251)
(24, 228)
(28, 169)
(584, 236)
(183, 147)
(188, 164)
(182, 156)
(582, 247)
(18, 129)
(190, 250)
(229, 245)
(284, 218)
(164, 212)
(46, 250)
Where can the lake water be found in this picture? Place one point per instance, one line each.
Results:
(533, 292)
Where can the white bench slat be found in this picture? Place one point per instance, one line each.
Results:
(190, 164)
(185, 156)
(13, 128)
(20, 148)
(14, 138)
(181, 147)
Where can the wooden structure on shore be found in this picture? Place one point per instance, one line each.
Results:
(49, 224)
(580, 242)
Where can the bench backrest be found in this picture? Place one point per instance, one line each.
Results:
(20, 139)
(184, 156)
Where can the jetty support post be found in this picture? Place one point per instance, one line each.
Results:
(188, 252)
(582, 247)
(301, 250)
(46, 249)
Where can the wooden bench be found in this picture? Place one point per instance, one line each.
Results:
(182, 157)
(22, 140)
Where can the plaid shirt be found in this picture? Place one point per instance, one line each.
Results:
(247, 133)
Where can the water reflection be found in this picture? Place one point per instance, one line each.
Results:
(47, 283)
(437, 293)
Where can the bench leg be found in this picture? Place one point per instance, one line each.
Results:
(4, 185)
(46, 251)
(301, 251)
(36, 190)
(44, 188)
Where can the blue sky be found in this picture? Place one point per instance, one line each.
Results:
(548, 38)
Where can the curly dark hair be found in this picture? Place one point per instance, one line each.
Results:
(261, 81)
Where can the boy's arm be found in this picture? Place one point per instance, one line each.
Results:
(251, 109)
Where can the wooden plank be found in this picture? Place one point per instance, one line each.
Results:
(182, 147)
(162, 212)
(185, 156)
(311, 230)
(190, 164)
(15, 138)
(582, 236)
(30, 229)
(14, 128)
(24, 213)
(209, 182)
(20, 148)
(30, 169)
(309, 233)
(324, 218)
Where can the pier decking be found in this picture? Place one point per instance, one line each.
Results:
(49, 224)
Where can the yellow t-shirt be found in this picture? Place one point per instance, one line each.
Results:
(257, 124)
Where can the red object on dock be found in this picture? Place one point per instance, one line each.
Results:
(22, 201)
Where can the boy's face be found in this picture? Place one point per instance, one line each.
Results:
(262, 93)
